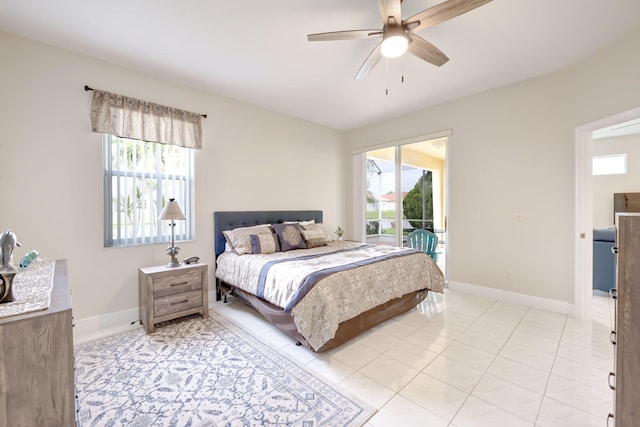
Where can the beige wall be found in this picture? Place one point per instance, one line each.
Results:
(512, 151)
(605, 185)
(51, 179)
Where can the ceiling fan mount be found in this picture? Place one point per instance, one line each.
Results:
(398, 36)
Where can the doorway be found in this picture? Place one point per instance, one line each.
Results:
(405, 190)
(583, 267)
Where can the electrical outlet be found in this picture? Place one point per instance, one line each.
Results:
(520, 218)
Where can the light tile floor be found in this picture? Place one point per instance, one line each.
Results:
(461, 360)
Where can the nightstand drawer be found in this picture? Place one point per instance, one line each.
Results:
(178, 302)
(169, 285)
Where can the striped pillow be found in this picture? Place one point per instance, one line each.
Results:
(264, 243)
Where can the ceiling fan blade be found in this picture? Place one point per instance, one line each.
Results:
(442, 12)
(344, 35)
(370, 62)
(390, 8)
(426, 51)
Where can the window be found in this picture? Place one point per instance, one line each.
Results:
(139, 178)
(614, 164)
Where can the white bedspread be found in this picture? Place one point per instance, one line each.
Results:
(339, 296)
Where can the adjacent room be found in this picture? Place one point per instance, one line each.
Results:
(165, 163)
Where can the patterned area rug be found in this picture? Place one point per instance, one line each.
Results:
(202, 372)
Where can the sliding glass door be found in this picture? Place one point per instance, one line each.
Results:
(424, 168)
(417, 203)
(404, 191)
(380, 221)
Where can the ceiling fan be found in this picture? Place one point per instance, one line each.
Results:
(398, 36)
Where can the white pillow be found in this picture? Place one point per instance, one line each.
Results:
(302, 223)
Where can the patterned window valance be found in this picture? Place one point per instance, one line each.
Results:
(132, 118)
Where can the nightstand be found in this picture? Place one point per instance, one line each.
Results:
(168, 293)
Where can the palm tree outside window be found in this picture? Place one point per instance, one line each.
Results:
(139, 178)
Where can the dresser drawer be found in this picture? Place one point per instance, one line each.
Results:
(189, 281)
(175, 303)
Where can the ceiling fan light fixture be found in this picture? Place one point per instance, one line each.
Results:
(398, 34)
(394, 45)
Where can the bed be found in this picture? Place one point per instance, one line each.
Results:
(320, 296)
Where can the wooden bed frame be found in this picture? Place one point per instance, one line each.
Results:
(228, 220)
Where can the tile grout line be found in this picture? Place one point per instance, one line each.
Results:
(469, 394)
(555, 356)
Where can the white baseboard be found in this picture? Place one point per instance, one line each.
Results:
(96, 327)
(540, 303)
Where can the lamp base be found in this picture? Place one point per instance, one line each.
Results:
(173, 263)
(6, 288)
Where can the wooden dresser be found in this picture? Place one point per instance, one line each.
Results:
(626, 333)
(170, 292)
(36, 362)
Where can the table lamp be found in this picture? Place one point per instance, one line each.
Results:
(172, 212)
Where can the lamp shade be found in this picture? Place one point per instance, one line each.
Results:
(171, 211)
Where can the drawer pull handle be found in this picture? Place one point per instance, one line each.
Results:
(179, 302)
(611, 375)
(609, 417)
(179, 284)
(612, 337)
(613, 293)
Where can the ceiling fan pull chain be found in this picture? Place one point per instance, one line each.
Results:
(386, 75)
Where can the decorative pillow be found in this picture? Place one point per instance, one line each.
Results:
(315, 238)
(264, 243)
(289, 236)
(239, 240)
(318, 226)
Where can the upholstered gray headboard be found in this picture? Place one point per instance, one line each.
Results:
(228, 220)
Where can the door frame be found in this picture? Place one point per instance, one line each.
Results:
(359, 184)
(583, 233)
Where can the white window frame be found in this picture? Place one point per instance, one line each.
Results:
(154, 187)
(610, 164)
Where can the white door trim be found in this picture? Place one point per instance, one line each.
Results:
(583, 248)
(419, 138)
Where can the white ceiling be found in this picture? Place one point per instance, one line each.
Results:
(256, 51)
